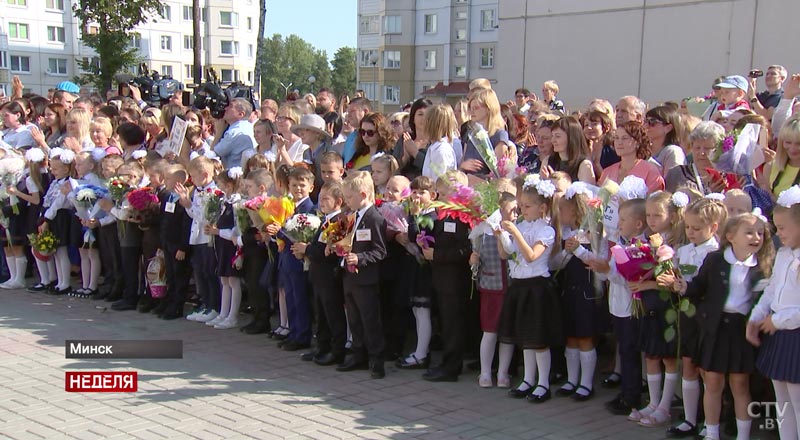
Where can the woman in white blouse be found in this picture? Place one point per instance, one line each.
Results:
(290, 146)
(440, 124)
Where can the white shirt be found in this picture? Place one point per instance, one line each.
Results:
(694, 255)
(538, 231)
(439, 159)
(19, 137)
(782, 295)
(739, 295)
(196, 212)
(360, 213)
(296, 151)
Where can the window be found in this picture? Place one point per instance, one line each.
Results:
(430, 59)
(365, 57)
(55, 4)
(250, 77)
(430, 23)
(461, 15)
(166, 12)
(166, 70)
(487, 20)
(57, 66)
(391, 59)
(189, 71)
(188, 42)
(229, 75)
(369, 24)
(487, 57)
(228, 18)
(229, 48)
(391, 95)
(461, 34)
(91, 29)
(55, 34)
(18, 2)
(392, 24)
(461, 52)
(188, 13)
(369, 90)
(20, 64)
(3, 55)
(94, 63)
(136, 41)
(249, 23)
(166, 43)
(461, 71)
(250, 50)
(18, 31)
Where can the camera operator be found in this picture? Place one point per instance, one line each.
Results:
(238, 133)
(764, 103)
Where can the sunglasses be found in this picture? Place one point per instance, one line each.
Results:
(366, 133)
(653, 122)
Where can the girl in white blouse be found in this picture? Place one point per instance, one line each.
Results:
(441, 157)
(531, 314)
(777, 316)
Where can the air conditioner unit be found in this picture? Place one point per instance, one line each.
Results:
(48, 71)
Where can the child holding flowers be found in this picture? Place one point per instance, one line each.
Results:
(257, 183)
(38, 184)
(15, 215)
(108, 239)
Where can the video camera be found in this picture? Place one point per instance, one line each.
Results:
(212, 96)
(156, 90)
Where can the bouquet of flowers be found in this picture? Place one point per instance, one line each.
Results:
(397, 221)
(12, 168)
(270, 209)
(143, 202)
(85, 197)
(118, 188)
(339, 237)
(43, 245)
(301, 228)
(508, 168)
(241, 216)
(480, 139)
(463, 205)
(213, 200)
(425, 241)
(635, 263)
(741, 151)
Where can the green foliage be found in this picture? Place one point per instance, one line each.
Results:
(291, 60)
(343, 75)
(671, 316)
(670, 334)
(114, 21)
(687, 269)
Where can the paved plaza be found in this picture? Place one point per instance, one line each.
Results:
(230, 385)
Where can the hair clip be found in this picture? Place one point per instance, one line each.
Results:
(34, 155)
(530, 181)
(545, 188)
(576, 188)
(55, 152)
(98, 154)
(376, 156)
(757, 212)
(716, 196)
(632, 187)
(680, 199)
(139, 154)
(789, 197)
(235, 172)
(67, 156)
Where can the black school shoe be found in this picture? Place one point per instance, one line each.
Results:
(36, 288)
(619, 407)
(674, 432)
(60, 292)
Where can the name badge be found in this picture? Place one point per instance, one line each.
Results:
(169, 207)
(363, 235)
(449, 227)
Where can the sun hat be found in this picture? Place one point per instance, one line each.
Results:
(313, 123)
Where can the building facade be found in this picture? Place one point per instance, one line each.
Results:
(40, 41)
(656, 49)
(406, 47)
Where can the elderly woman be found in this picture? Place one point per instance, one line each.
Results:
(703, 141)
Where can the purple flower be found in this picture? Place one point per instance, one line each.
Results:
(727, 143)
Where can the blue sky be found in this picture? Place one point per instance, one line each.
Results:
(326, 24)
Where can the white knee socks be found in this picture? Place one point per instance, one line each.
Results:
(529, 361)
(691, 399)
(94, 277)
(488, 343)
(62, 267)
(743, 429)
(543, 364)
(670, 380)
(588, 363)
(225, 305)
(654, 386)
(282, 308)
(44, 268)
(236, 299)
(424, 331)
(573, 356)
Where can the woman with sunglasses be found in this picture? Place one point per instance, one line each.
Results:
(373, 137)
(664, 130)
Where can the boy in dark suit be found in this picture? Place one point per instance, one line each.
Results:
(326, 279)
(175, 227)
(449, 254)
(361, 291)
(290, 269)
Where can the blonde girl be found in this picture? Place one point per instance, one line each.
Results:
(440, 124)
(383, 166)
(484, 109)
(784, 171)
(58, 216)
(77, 140)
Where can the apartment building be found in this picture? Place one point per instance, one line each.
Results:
(40, 41)
(413, 48)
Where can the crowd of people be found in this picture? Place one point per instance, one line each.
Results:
(546, 284)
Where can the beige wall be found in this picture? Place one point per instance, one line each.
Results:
(657, 49)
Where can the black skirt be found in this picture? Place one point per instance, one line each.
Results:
(66, 228)
(531, 315)
(582, 309)
(225, 251)
(689, 337)
(727, 350)
(779, 356)
(652, 325)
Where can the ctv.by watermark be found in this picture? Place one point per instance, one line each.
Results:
(770, 415)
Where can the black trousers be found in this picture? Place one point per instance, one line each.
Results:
(396, 287)
(255, 261)
(363, 306)
(626, 331)
(178, 273)
(330, 317)
(204, 265)
(111, 256)
(452, 304)
(131, 273)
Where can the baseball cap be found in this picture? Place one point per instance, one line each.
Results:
(733, 82)
(69, 86)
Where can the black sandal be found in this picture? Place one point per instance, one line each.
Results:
(676, 432)
(533, 398)
(566, 392)
(519, 394)
(612, 380)
(583, 397)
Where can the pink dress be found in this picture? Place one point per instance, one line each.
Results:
(643, 169)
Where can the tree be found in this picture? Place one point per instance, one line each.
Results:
(291, 60)
(343, 75)
(262, 14)
(106, 26)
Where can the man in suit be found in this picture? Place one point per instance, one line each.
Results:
(362, 274)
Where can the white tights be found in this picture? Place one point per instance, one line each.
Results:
(90, 268)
